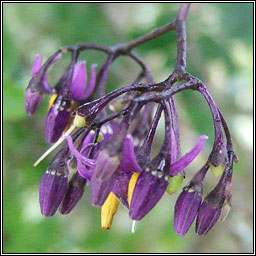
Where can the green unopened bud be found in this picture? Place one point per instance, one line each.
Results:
(217, 171)
(174, 184)
(79, 121)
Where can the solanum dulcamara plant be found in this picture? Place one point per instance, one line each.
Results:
(105, 140)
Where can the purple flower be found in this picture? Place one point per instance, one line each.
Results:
(73, 195)
(53, 185)
(211, 208)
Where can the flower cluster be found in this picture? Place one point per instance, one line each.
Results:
(108, 143)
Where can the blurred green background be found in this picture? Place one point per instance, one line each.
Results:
(219, 52)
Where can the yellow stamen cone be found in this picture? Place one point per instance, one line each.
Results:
(108, 210)
(51, 100)
(131, 186)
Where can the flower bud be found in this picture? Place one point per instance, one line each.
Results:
(148, 190)
(57, 119)
(73, 195)
(33, 100)
(186, 208)
(207, 217)
(53, 185)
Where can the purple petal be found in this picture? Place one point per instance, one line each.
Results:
(147, 192)
(207, 218)
(92, 83)
(128, 161)
(37, 64)
(120, 186)
(32, 101)
(55, 123)
(47, 87)
(189, 157)
(186, 209)
(85, 172)
(79, 79)
(100, 190)
(77, 154)
(53, 187)
(73, 195)
(106, 165)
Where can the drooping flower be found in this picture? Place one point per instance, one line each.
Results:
(73, 195)
(38, 84)
(188, 203)
(211, 208)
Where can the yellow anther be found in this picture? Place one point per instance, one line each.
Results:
(108, 210)
(51, 100)
(131, 186)
(79, 121)
(174, 184)
(217, 171)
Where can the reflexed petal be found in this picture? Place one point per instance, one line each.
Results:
(189, 157)
(77, 154)
(53, 187)
(37, 64)
(186, 209)
(32, 101)
(79, 79)
(47, 87)
(207, 218)
(148, 191)
(128, 161)
(92, 83)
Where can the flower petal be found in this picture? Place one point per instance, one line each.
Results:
(92, 83)
(147, 192)
(52, 189)
(37, 64)
(189, 157)
(77, 154)
(79, 81)
(128, 161)
(32, 101)
(207, 218)
(55, 123)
